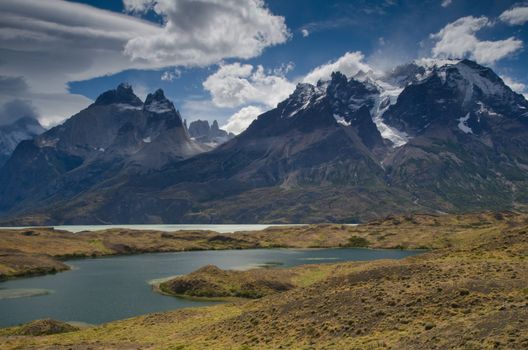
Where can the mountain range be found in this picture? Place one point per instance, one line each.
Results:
(428, 136)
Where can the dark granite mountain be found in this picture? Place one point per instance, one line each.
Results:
(468, 140)
(201, 131)
(429, 138)
(10, 135)
(116, 136)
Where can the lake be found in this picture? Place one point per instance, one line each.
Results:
(220, 228)
(105, 289)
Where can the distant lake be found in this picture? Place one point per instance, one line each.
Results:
(226, 228)
(105, 289)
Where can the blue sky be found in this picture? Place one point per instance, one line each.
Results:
(385, 32)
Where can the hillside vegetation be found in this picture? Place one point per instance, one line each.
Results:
(41, 250)
(469, 292)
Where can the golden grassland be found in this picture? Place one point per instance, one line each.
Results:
(469, 292)
(211, 282)
(40, 250)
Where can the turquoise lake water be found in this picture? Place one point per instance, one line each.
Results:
(105, 289)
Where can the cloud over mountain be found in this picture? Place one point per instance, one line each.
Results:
(51, 43)
(204, 32)
(239, 121)
(458, 39)
(349, 64)
(238, 84)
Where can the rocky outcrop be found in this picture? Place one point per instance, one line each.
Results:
(213, 282)
(44, 327)
(201, 131)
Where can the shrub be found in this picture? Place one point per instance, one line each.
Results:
(358, 242)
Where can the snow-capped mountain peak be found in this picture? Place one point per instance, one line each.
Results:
(158, 103)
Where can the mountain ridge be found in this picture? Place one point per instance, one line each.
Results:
(10, 135)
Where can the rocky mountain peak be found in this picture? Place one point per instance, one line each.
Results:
(462, 96)
(300, 99)
(338, 78)
(214, 126)
(123, 94)
(201, 131)
(157, 103)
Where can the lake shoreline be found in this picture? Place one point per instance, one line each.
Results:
(36, 251)
(107, 289)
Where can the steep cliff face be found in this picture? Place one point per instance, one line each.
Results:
(212, 135)
(468, 136)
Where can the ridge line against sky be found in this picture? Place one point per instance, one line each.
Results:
(232, 60)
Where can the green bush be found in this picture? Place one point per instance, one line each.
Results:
(357, 242)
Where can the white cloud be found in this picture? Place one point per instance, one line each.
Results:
(515, 16)
(284, 69)
(238, 84)
(171, 75)
(446, 3)
(239, 121)
(515, 85)
(50, 43)
(15, 109)
(205, 32)
(53, 42)
(350, 64)
(139, 6)
(305, 32)
(458, 40)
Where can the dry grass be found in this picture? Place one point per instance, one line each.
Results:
(416, 231)
(213, 282)
(470, 292)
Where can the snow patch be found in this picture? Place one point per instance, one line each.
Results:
(398, 138)
(126, 106)
(147, 139)
(159, 107)
(432, 63)
(388, 96)
(443, 76)
(463, 126)
(302, 98)
(341, 120)
(483, 109)
(303, 107)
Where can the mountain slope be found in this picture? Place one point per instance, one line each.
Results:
(12, 134)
